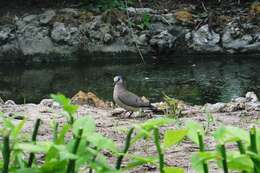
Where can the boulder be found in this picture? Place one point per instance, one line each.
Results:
(10, 103)
(82, 98)
(47, 16)
(204, 40)
(213, 108)
(34, 40)
(163, 41)
(6, 33)
(251, 97)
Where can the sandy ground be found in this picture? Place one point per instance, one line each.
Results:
(110, 126)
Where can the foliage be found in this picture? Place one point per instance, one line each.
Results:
(77, 145)
(172, 108)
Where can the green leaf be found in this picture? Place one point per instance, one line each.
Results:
(102, 142)
(86, 123)
(241, 163)
(39, 147)
(17, 129)
(28, 170)
(193, 128)
(65, 103)
(62, 133)
(173, 170)
(199, 158)
(226, 134)
(172, 137)
(158, 122)
(52, 154)
(55, 166)
(139, 160)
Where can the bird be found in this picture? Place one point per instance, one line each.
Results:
(128, 100)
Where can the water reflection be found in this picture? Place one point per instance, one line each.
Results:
(196, 81)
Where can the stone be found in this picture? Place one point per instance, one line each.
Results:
(10, 103)
(34, 40)
(183, 16)
(67, 35)
(213, 108)
(59, 32)
(163, 41)
(47, 16)
(204, 40)
(29, 18)
(117, 111)
(6, 33)
(251, 97)
(137, 11)
(70, 11)
(1, 101)
(252, 106)
(89, 98)
(107, 37)
(47, 102)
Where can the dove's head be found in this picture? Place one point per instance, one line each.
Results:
(118, 79)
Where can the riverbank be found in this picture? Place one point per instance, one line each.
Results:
(241, 112)
(62, 35)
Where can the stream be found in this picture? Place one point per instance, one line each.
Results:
(194, 80)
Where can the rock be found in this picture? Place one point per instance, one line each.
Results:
(213, 108)
(6, 33)
(183, 16)
(107, 38)
(29, 18)
(137, 11)
(89, 98)
(10, 102)
(47, 102)
(252, 106)
(251, 97)
(47, 16)
(1, 101)
(234, 38)
(69, 35)
(117, 111)
(70, 12)
(162, 42)
(204, 40)
(34, 40)
(169, 18)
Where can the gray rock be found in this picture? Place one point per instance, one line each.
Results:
(251, 97)
(47, 16)
(168, 18)
(204, 40)
(6, 33)
(253, 106)
(137, 11)
(69, 35)
(47, 102)
(10, 102)
(1, 101)
(107, 37)
(70, 11)
(29, 18)
(34, 40)
(213, 108)
(162, 41)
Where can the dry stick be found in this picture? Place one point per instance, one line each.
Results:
(224, 158)
(71, 164)
(6, 153)
(202, 149)
(127, 145)
(159, 150)
(35, 131)
(131, 30)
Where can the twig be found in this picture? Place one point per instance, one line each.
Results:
(131, 30)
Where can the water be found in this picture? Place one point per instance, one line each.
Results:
(197, 80)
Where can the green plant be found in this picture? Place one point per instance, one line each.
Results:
(145, 22)
(172, 108)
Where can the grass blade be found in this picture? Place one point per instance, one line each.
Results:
(202, 148)
(224, 158)
(159, 150)
(6, 151)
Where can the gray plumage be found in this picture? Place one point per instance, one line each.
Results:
(127, 99)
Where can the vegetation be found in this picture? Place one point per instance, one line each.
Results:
(78, 146)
